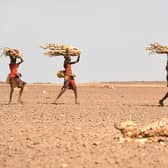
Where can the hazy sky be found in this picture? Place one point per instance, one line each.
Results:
(112, 36)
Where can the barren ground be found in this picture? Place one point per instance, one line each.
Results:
(39, 134)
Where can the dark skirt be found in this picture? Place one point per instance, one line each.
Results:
(69, 84)
(16, 82)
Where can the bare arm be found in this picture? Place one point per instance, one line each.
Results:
(77, 60)
(21, 60)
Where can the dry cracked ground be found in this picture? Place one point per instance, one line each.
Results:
(39, 134)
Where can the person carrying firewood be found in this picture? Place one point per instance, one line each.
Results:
(69, 78)
(161, 101)
(14, 77)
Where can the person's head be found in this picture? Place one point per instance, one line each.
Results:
(67, 58)
(68, 52)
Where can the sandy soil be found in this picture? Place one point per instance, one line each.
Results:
(39, 134)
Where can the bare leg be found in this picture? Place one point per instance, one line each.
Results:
(11, 93)
(76, 95)
(60, 94)
(20, 94)
(167, 71)
(162, 100)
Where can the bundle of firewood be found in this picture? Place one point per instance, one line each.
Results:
(61, 74)
(130, 130)
(11, 52)
(60, 50)
(157, 48)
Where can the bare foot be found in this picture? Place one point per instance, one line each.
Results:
(54, 103)
(21, 102)
(9, 102)
(161, 103)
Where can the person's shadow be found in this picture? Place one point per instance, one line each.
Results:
(146, 105)
(152, 105)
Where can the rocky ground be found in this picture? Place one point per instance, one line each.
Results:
(39, 134)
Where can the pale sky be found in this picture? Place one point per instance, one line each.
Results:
(112, 36)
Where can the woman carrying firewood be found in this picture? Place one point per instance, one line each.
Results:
(166, 95)
(156, 48)
(69, 81)
(14, 77)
